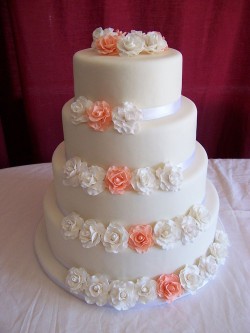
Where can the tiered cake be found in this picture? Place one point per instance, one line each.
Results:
(131, 216)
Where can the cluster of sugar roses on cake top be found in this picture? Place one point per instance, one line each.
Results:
(115, 238)
(118, 179)
(110, 42)
(122, 295)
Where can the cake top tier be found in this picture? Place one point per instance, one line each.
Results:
(148, 79)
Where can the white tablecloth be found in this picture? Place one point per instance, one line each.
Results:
(30, 302)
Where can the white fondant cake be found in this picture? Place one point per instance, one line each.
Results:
(131, 213)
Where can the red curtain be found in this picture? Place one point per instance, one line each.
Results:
(38, 39)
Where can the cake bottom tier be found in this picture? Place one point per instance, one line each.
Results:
(128, 264)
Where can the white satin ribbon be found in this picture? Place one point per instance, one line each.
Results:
(184, 165)
(161, 111)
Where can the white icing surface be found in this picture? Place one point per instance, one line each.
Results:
(171, 138)
(127, 264)
(145, 80)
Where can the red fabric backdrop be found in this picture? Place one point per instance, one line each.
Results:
(38, 39)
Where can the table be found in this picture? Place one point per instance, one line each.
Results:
(30, 302)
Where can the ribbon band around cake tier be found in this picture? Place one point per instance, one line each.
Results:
(161, 111)
(185, 164)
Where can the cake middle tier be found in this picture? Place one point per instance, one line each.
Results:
(170, 138)
(131, 207)
(128, 264)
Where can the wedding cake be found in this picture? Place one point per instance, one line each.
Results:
(130, 216)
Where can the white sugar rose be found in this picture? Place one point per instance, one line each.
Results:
(91, 233)
(190, 278)
(208, 267)
(115, 238)
(126, 118)
(139, 33)
(92, 179)
(219, 251)
(201, 215)
(170, 177)
(71, 225)
(189, 229)
(146, 290)
(71, 171)
(131, 44)
(99, 32)
(97, 289)
(122, 295)
(154, 42)
(78, 110)
(144, 180)
(222, 238)
(76, 280)
(166, 234)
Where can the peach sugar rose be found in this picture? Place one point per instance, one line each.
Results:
(107, 45)
(169, 287)
(99, 115)
(140, 238)
(118, 179)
